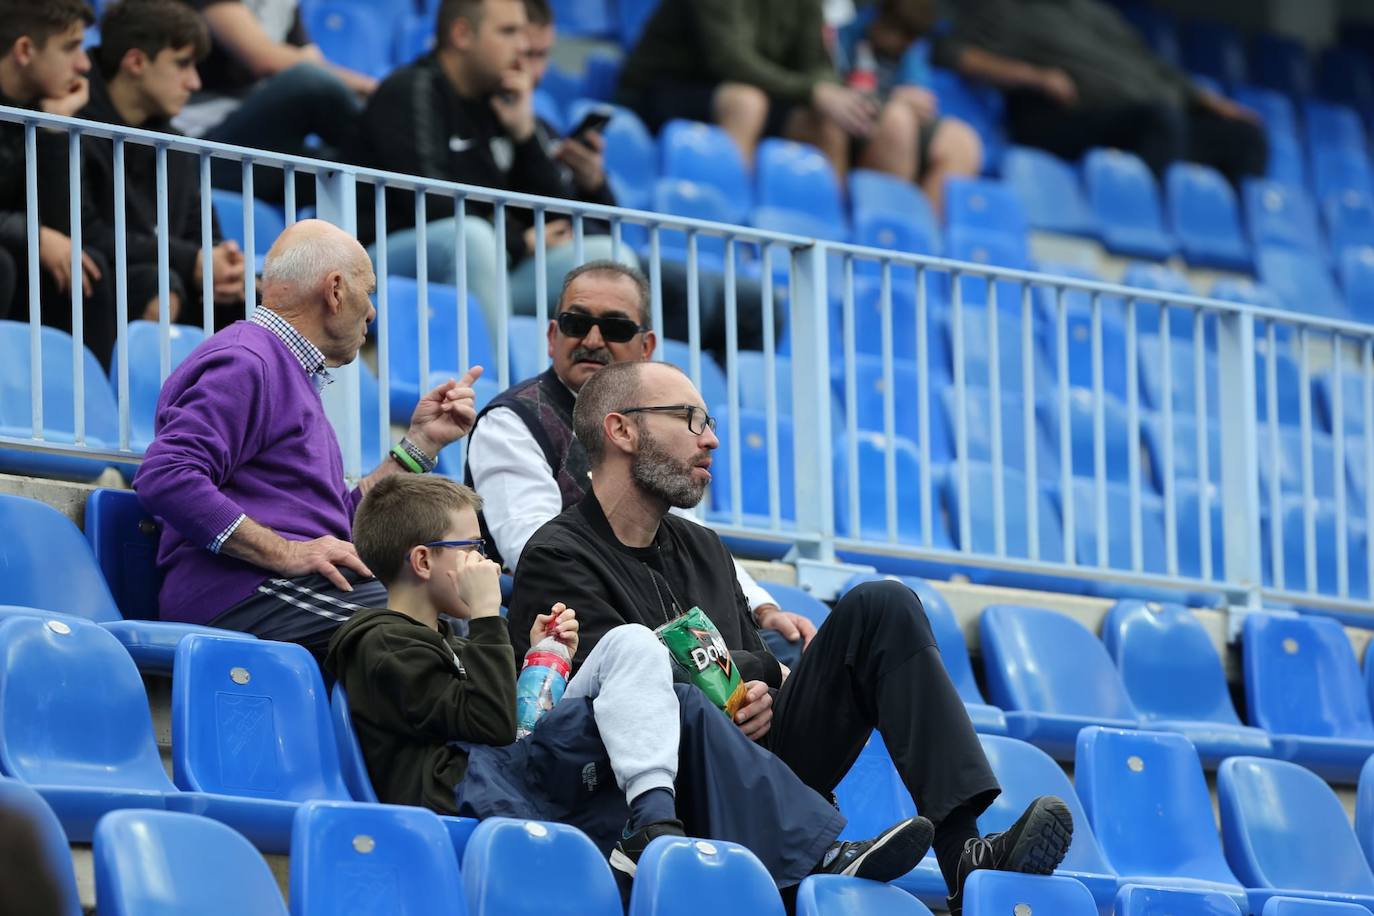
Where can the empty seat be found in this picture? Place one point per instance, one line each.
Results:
(54, 854)
(251, 724)
(1324, 576)
(1350, 222)
(676, 873)
(74, 721)
(403, 339)
(1296, 906)
(1287, 834)
(1147, 799)
(891, 213)
(347, 33)
(837, 895)
(1303, 686)
(1331, 125)
(1301, 281)
(367, 858)
(586, 18)
(1016, 516)
(984, 204)
(993, 893)
(870, 394)
(1176, 680)
(755, 476)
(753, 365)
(871, 493)
(984, 246)
(709, 380)
(1117, 551)
(1357, 279)
(268, 221)
(1336, 170)
(1278, 214)
(53, 569)
(145, 374)
(1051, 676)
(155, 862)
(123, 536)
(1082, 426)
(795, 176)
(534, 868)
(705, 154)
(1205, 217)
(1139, 900)
(1364, 798)
(680, 197)
(1125, 200)
(528, 346)
(1049, 191)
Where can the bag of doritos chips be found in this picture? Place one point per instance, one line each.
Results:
(694, 643)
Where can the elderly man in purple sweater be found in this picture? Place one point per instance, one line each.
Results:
(245, 471)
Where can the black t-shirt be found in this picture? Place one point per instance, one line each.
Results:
(224, 74)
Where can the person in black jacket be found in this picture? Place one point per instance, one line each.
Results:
(619, 557)
(146, 72)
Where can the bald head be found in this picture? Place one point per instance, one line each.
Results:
(319, 278)
(614, 388)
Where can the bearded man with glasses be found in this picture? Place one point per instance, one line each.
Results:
(523, 459)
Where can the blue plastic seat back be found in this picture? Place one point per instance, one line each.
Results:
(1294, 544)
(1187, 464)
(587, 18)
(1148, 802)
(1168, 663)
(755, 479)
(268, 221)
(404, 334)
(347, 32)
(989, 893)
(1364, 796)
(634, 15)
(837, 895)
(984, 204)
(895, 231)
(712, 383)
(871, 465)
(982, 517)
(949, 636)
(163, 862)
(681, 197)
(985, 246)
(676, 874)
(631, 154)
(351, 760)
(1336, 170)
(1357, 279)
(124, 537)
(1043, 661)
(795, 176)
(1286, 828)
(1301, 281)
(1350, 220)
(705, 154)
(73, 708)
(799, 601)
(868, 308)
(535, 868)
(415, 38)
(871, 795)
(1082, 432)
(250, 718)
(1117, 553)
(1274, 108)
(976, 345)
(879, 192)
(600, 74)
(1331, 125)
(1204, 212)
(348, 857)
(145, 374)
(18, 799)
(51, 566)
(978, 429)
(1121, 190)
(1301, 678)
(753, 365)
(1165, 280)
(1298, 906)
(1049, 191)
(1279, 214)
(59, 411)
(1140, 900)
(1025, 773)
(1243, 289)
(1181, 374)
(546, 107)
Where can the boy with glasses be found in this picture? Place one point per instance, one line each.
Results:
(435, 714)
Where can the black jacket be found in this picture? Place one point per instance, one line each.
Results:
(52, 173)
(576, 558)
(412, 691)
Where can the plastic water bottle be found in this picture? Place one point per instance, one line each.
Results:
(863, 77)
(542, 681)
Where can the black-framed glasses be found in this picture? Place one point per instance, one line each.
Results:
(697, 418)
(613, 329)
(477, 544)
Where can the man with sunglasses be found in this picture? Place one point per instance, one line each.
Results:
(619, 556)
(523, 458)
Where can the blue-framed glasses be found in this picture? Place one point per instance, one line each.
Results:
(477, 544)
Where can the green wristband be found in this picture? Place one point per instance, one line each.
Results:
(403, 458)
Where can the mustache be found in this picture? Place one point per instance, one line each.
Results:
(595, 356)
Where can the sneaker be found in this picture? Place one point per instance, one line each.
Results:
(890, 854)
(1034, 845)
(630, 846)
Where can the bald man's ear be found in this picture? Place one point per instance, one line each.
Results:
(334, 291)
(620, 433)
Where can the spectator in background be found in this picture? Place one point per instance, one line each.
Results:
(1078, 75)
(877, 52)
(146, 70)
(464, 113)
(266, 86)
(43, 67)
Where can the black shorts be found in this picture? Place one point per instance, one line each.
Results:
(694, 102)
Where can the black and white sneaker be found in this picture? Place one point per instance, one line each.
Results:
(1034, 845)
(890, 854)
(630, 846)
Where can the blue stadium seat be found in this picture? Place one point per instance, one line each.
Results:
(1364, 801)
(251, 725)
(415, 38)
(1049, 191)
(1329, 125)
(870, 393)
(978, 428)
(1205, 217)
(1187, 465)
(528, 341)
(891, 213)
(1301, 281)
(1349, 220)
(585, 18)
(1051, 676)
(871, 795)
(753, 459)
(268, 222)
(1303, 686)
(795, 176)
(124, 536)
(634, 15)
(1147, 800)
(895, 231)
(631, 155)
(404, 336)
(680, 197)
(600, 74)
(676, 873)
(1245, 290)
(53, 569)
(1176, 680)
(59, 412)
(705, 154)
(1325, 535)
(145, 381)
(1280, 63)
(1025, 773)
(978, 105)
(351, 763)
(1280, 215)
(370, 410)
(1165, 280)
(1125, 200)
(75, 723)
(1289, 458)
(872, 493)
(1214, 50)
(1153, 559)
(1286, 161)
(985, 205)
(977, 339)
(367, 858)
(1183, 390)
(799, 601)
(868, 325)
(982, 520)
(17, 798)
(154, 862)
(347, 32)
(712, 384)
(1081, 419)
(836, 895)
(753, 365)
(565, 87)
(1287, 834)
(1337, 169)
(1140, 900)
(1352, 391)
(548, 109)
(1274, 108)
(1296, 906)
(992, 893)
(534, 868)
(1357, 279)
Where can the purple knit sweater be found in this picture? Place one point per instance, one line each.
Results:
(240, 430)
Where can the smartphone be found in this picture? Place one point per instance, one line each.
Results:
(596, 119)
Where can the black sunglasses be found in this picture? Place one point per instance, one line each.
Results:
(613, 330)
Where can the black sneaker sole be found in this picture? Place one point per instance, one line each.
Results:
(895, 852)
(1044, 841)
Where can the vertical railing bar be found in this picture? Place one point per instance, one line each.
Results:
(999, 511)
(1133, 422)
(732, 385)
(207, 247)
(770, 391)
(851, 405)
(960, 414)
(460, 279)
(164, 270)
(924, 394)
(383, 322)
(35, 303)
(1369, 458)
(1028, 423)
(1200, 399)
(1276, 520)
(541, 286)
(1099, 433)
(288, 179)
(1309, 519)
(422, 286)
(77, 287)
(503, 303)
(121, 269)
(889, 404)
(1166, 340)
(250, 287)
(656, 279)
(1338, 464)
(1065, 434)
(693, 310)
(579, 239)
(615, 238)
